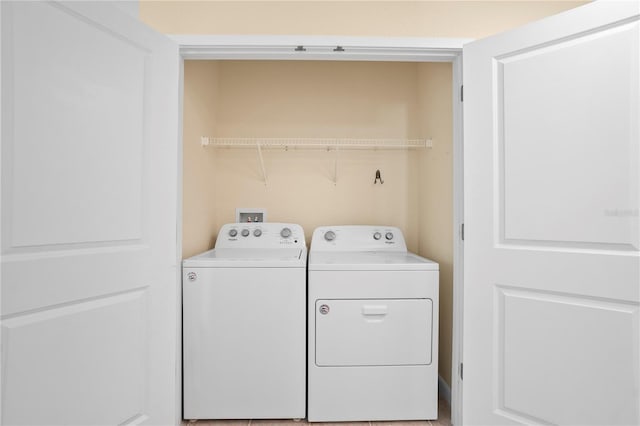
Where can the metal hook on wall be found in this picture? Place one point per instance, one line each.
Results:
(378, 178)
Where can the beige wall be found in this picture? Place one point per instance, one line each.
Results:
(473, 19)
(435, 203)
(299, 99)
(199, 224)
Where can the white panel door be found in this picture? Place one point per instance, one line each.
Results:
(89, 159)
(552, 244)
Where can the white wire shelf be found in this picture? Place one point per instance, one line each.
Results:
(325, 143)
(334, 144)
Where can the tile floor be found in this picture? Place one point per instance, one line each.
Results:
(444, 419)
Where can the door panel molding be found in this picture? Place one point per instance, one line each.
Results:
(46, 347)
(554, 209)
(524, 349)
(75, 199)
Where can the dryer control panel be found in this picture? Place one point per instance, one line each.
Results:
(358, 238)
(260, 235)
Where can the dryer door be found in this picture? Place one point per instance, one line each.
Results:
(373, 332)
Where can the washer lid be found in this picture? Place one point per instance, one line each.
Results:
(369, 261)
(248, 258)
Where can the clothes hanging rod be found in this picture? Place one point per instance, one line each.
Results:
(328, 143)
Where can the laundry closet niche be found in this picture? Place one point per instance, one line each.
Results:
(314, 187)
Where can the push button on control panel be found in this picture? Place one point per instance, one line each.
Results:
(329, 235)
(285, 233)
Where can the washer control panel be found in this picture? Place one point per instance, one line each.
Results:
(358, 238)
(260, 235)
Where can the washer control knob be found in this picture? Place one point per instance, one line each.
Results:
(329, 235)
(257, 232)
(377, 236)
(245, 232)
(285, 233)
(324, 309)
(233, 233)
(389, 236)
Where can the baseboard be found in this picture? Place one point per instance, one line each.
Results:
(444, 390)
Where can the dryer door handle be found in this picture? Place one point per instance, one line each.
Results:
(374, 310)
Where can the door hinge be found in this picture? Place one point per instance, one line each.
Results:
(462, 232)
(461, 371)
(462, 93)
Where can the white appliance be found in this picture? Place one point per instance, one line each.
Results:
(373, 327)
(245, 324)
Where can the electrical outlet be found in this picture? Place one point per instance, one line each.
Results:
(244, 214)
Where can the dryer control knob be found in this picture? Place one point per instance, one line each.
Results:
(233, 233)
(329, 235)
(245, 232)
(285, 233)
(257, 232)
(388, 236)
(377, 236)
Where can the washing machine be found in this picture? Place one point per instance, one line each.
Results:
(244, 324)
(373, 327)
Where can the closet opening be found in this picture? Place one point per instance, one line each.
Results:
(250, 129)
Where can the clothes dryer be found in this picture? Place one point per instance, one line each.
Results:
(244, 324)
(373, 327)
